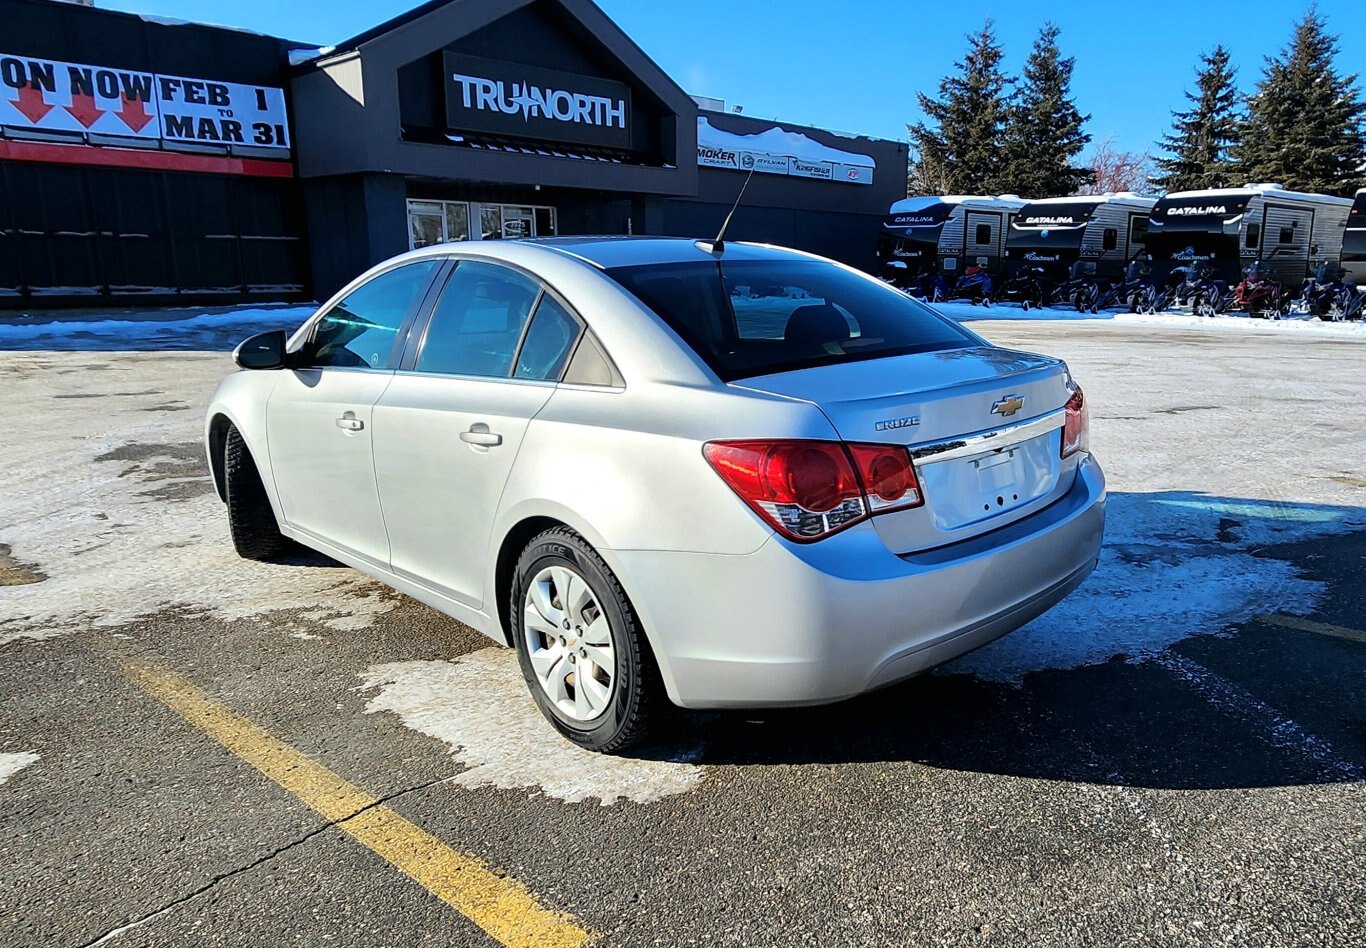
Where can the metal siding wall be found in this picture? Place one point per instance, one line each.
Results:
(75, 233)
(1289, 260)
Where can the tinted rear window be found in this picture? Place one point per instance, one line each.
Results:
(757, 317)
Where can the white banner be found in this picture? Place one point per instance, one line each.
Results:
(778, 151)
(49, 95)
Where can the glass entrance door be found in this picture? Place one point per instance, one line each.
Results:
(426, 224)
(518, 222)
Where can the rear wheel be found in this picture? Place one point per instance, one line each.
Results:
(580, 645)
(255, 531)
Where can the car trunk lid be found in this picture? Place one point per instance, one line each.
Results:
(983, 424)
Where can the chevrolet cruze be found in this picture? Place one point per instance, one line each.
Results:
(666, 470)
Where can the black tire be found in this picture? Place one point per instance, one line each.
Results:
(637, 700)
(255, 532)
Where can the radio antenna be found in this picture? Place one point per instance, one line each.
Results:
(719, 244)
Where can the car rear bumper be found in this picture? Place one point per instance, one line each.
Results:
(809, 624)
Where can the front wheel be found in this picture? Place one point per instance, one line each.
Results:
(255, 532)
(581, 647)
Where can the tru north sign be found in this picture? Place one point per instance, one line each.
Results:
(47, 95)
(516, 101)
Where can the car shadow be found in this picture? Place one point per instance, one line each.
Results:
(1161, 671)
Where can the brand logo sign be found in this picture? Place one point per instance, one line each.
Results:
(891, 424)
(915, 220)
(53, 96)
(500, 98)
(1042, 257)
(1047, 221)
(1007, 405)
(1190, 254)
(1197, 211)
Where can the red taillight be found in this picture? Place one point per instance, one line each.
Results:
(888, 478)
(811, 489)
(1076, 424)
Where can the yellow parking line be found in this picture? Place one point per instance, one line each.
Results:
(500, 906)
(1321, 628)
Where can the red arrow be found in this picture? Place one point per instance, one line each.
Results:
(134, 113)
(32, 104)
(84, 110)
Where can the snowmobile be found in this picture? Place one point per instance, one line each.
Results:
(974, 285)
(1082, 289)
(1028, 287)
(1194, 286)
(1328, 295)
(1258, 294)
(1137, 291)
(928, 285)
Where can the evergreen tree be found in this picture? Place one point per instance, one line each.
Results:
(1043, 131)
(960, 140)
(1201, 144)
(1304, 123)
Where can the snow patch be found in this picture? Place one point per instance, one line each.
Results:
(1172, 567)
(11, 764)
(479, 706)
(114, 505)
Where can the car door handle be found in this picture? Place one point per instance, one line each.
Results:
(349, 422)
(479, 434)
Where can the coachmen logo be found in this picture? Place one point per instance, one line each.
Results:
(1042, 257)
(1007, 405)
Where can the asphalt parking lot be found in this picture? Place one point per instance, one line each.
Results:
(199, 750)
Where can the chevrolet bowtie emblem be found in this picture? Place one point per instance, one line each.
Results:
(1008, 405)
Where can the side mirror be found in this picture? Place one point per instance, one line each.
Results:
(263, 351)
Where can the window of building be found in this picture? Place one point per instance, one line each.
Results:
(983, 235)
(499, 221)
(437, 222)
(360, 331)
(1109, 239)
(1254, 235)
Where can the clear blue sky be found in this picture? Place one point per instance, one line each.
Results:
(857, 66)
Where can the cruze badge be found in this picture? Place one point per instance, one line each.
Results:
(1007, 406)
(891, 424)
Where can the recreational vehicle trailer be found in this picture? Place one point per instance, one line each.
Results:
(1054, 234)
(1230, 228)
(1354, 242)
(952, 231)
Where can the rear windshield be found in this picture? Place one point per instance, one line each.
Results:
(757, 317)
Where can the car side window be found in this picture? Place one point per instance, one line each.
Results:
(361, 330)
(549, 340)
(478, 321)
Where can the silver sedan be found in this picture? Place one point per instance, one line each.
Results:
(666, 471)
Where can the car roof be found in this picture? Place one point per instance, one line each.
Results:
(606, 252)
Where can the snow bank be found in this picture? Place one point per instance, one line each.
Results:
(173, 330)
(966, 312)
